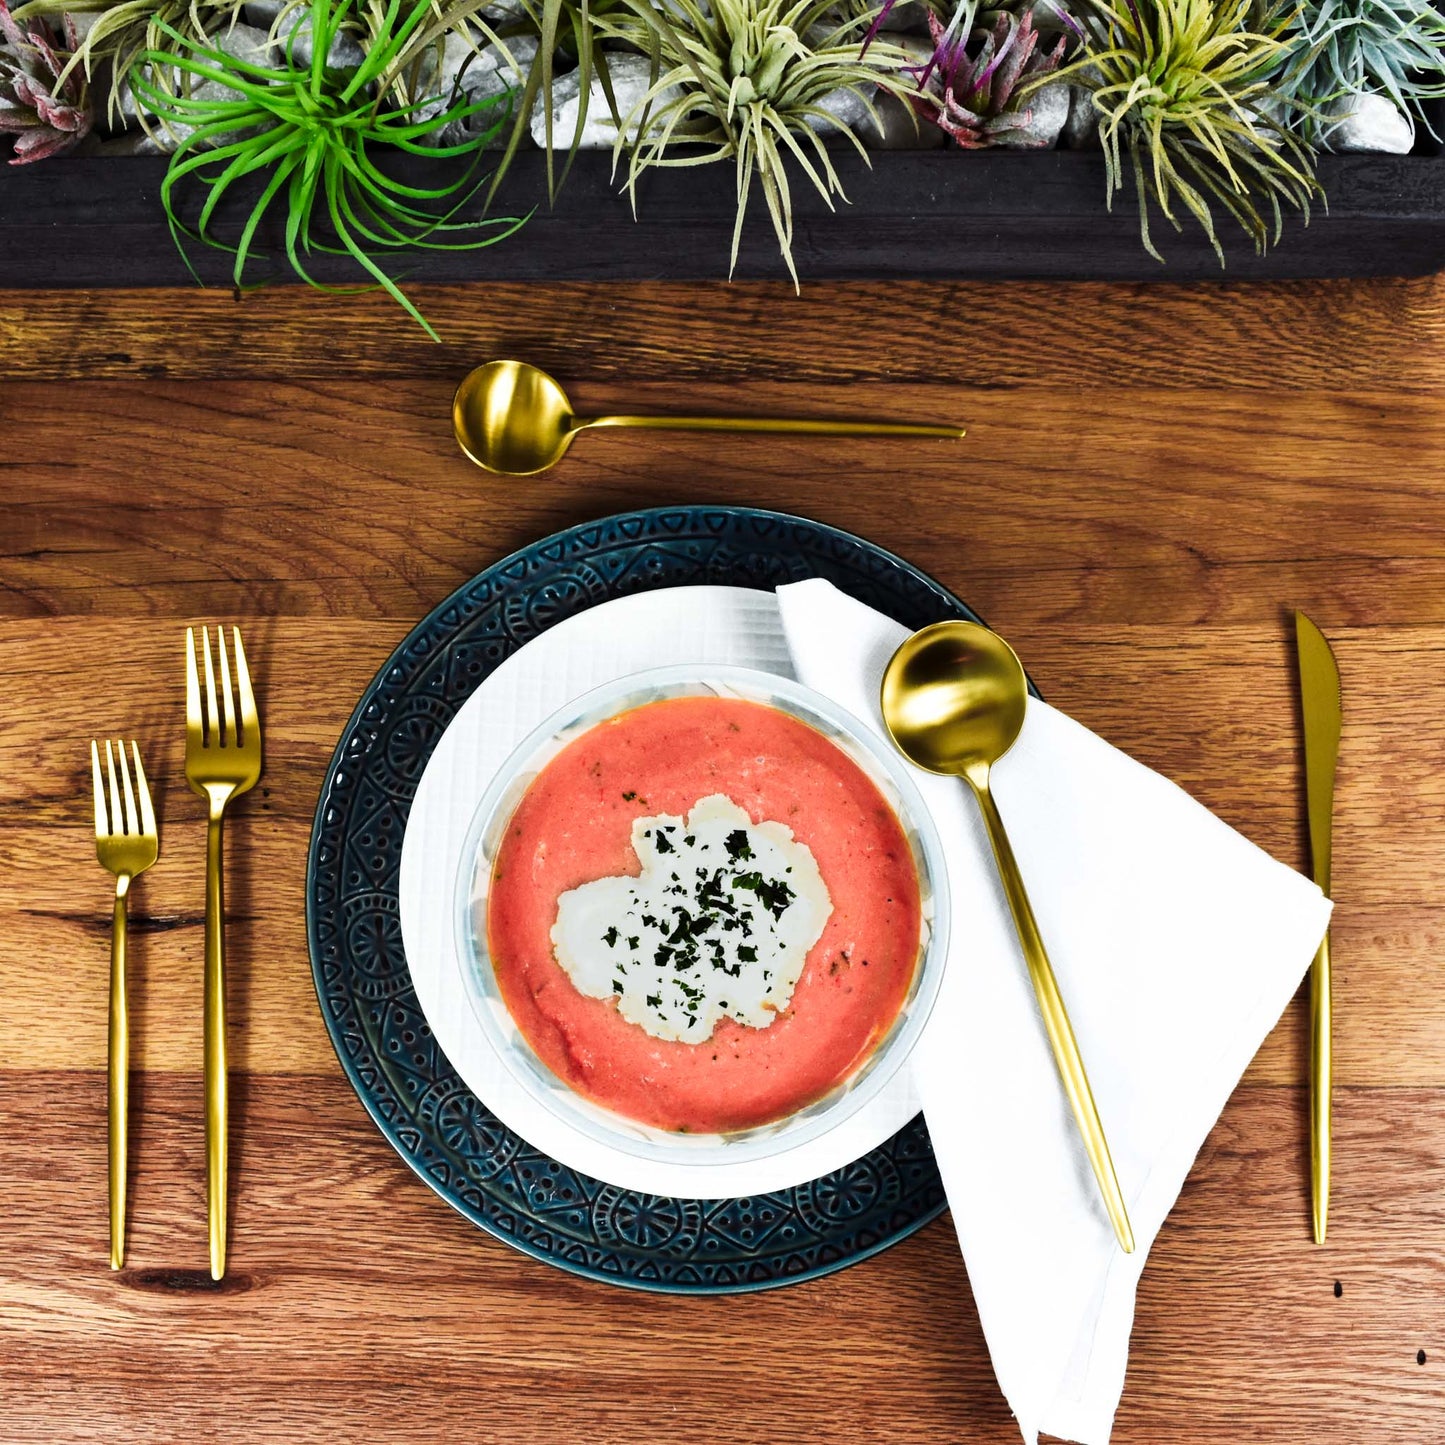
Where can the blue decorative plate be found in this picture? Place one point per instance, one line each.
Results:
(418, 1101)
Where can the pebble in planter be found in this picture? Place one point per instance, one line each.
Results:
(152, 137)
(484, 74)
(631, 78)
(288, 27)
(1366, 123)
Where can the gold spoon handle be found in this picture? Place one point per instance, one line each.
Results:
(796, 425)
(1056, 1018)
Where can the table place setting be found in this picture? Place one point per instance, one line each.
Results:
(1098, 957)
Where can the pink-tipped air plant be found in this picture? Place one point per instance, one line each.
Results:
(45, 114)
(971, 86)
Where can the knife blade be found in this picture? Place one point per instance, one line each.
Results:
(1322, 710)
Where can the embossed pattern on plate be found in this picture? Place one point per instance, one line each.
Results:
(383, 1041)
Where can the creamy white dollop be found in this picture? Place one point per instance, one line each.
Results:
(717, 925)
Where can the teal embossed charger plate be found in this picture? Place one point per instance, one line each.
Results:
(437, 1125)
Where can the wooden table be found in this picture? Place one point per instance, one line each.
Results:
(1153, 477)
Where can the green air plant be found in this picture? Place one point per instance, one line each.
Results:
(1182, 90)
(1343, 47)
(310, 131)
(754, 81)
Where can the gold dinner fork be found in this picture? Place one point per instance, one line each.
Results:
(126, 842)
(223, 760)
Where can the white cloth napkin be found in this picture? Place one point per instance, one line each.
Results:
(1177, 944)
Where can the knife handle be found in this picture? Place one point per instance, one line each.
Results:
(1321, 1072)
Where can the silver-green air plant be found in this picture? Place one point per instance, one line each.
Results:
(306, 135)
(1342, 47)
(1186, 106)
(753, 81)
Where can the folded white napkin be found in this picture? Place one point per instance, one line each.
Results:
(1177, 944)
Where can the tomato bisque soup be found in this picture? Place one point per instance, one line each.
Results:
(703, 914)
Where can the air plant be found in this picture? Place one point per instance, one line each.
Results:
(122, 32)
(751, 81)
(43, 107)
(310, 132)
(1183, 90)
(1343, 47)
(970, 87)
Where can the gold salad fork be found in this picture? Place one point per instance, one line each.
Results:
(223, 760)
(126, 842)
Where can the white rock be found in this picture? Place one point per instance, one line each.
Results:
(907, 15)
(345, 52)
(244, 42)
(490, 73)
(1366, 123)
(1048, 109)
(898, 126)
(850, 107)
(631, 80)
(1081, 127)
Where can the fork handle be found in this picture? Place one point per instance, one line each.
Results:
(119, 1074)
(215, 1045)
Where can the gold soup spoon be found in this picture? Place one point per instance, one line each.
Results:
(514, 419)
(953, 701)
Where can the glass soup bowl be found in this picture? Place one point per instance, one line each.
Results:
(527, 1073)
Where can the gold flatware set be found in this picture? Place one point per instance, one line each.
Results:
(223, 760)
(953, 699)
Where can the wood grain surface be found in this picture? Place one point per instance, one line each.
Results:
(1153, 477)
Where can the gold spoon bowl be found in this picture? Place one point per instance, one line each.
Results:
(515, 420)
(954, 698)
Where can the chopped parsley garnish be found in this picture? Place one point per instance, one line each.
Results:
(773, 893)
(610, 937)
(738, 847)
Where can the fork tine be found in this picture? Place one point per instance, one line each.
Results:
(117, 818)
(193, 683)
(147, 813)
(249, 721)
(228, 737)
(102, 823)
(214, 739)
(132, 817)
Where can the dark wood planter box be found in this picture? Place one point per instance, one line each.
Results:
(917, 214)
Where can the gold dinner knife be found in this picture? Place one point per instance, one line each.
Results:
(1319, 677)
